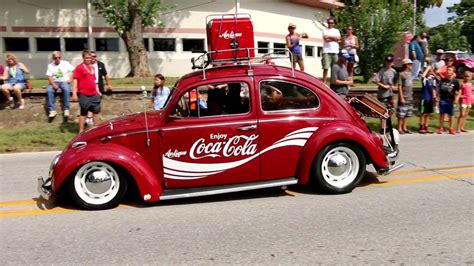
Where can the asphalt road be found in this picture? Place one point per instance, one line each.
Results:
(422, 213)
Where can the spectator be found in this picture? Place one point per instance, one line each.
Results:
(331, 37)
(448, 91)
(351, 44)
(405, 96)
(428, 97)
(465, 100)
(1, 74)
(15, 76)
(293, 43)
(443, 71)
(84, 86)
(100, 74)
(386, 80)
(59, 77)
(160, 93)
(417, 56)
(424, 43)
(438, 62)
(340, 80)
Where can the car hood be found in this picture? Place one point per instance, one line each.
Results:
(120, 125)
(467, 61)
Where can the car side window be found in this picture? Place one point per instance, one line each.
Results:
(279, 95)
(214, 100)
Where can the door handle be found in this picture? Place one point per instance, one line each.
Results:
(247, 128)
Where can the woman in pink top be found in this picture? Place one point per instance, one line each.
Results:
(350, 42)
(465, 100)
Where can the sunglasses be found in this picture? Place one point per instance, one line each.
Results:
(94, 56)
(56, 57)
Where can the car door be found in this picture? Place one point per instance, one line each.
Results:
(212, 136)
(288, 115)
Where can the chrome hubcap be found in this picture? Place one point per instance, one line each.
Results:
(96, 183)
(340, 167)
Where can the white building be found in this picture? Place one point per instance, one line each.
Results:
(32, 29)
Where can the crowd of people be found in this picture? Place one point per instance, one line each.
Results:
(86, 83)
(441, 90)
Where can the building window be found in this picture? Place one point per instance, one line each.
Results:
(309, 50)
(167, 44)
(76, 44)
(320, 51)
(47, 44)
(263, 47)
(279, 48)
(107, 44)
(17, 44)
(193, 45)
(147, 44)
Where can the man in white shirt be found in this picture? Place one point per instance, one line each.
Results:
(331, 37)
(59, 77)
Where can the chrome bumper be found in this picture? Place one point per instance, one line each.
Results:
(44, 188)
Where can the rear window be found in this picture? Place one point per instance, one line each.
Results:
(280, 95)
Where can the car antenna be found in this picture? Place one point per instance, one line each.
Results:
(144, 97)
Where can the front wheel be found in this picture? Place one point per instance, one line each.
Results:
(97, 186)
(338, 168)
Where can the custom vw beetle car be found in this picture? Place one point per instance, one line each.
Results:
(233, 127)
(462, 61)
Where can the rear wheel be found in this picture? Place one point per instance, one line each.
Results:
(338, 168)
(97, 186)
(357, 70)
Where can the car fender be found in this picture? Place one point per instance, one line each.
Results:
(147, 181)
(339, 131)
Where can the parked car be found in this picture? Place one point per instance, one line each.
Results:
(234, 127)
(462, 61)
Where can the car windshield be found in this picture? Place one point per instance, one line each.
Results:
(463, 55)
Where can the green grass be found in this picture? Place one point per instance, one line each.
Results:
(119, 82)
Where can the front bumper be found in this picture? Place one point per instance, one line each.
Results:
(45, 188)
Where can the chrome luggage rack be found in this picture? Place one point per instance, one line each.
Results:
(204, 61)
(367, 105)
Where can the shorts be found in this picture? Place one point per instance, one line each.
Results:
(405, 110)
(388, 102)
(352, 59)
(426, 106)
(328, 60)
(22, 84)
(446, 107)
(89, 103)
(297, 57)
(466, 106)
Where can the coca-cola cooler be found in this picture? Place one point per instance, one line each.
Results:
(227, 32)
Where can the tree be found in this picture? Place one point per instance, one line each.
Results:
(129, 18)
(447, 37)
(378, 24)
(465, 18)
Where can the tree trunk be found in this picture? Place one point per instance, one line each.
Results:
(133, 39)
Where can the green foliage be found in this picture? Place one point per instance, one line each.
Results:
(448, 37)
(378, 24)
(120, 14)
(465, 18)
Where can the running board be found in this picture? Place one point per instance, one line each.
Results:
(206, 191)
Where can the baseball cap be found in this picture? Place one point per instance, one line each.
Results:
(440, 51)
(407, 61)
(291, 25)
(389, 58)
(343, 53)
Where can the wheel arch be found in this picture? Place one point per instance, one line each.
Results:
(127, 160)
(338, 132)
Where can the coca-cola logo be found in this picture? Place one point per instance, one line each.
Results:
(219, 145)
(175, 153)
(230, 35)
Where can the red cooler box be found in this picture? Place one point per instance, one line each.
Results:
(226, 32)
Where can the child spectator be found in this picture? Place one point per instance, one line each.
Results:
(160, 93)
(448, 91)
(428, 94)
(84, 86)
(14, 76)
(405, 96)
(465, 100)
(386, 79)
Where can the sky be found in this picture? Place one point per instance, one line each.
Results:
(439, 15)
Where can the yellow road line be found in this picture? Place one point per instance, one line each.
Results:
(421, 179)
(33, 212)
(19, 203)
(404, 172)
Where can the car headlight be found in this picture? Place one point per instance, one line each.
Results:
(53, 164)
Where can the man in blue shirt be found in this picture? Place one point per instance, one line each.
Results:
(417, 56)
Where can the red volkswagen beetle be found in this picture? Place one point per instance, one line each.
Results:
(223, 129)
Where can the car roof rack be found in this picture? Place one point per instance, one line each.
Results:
(205, 61)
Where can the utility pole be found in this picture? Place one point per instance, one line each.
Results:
(414, 17)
